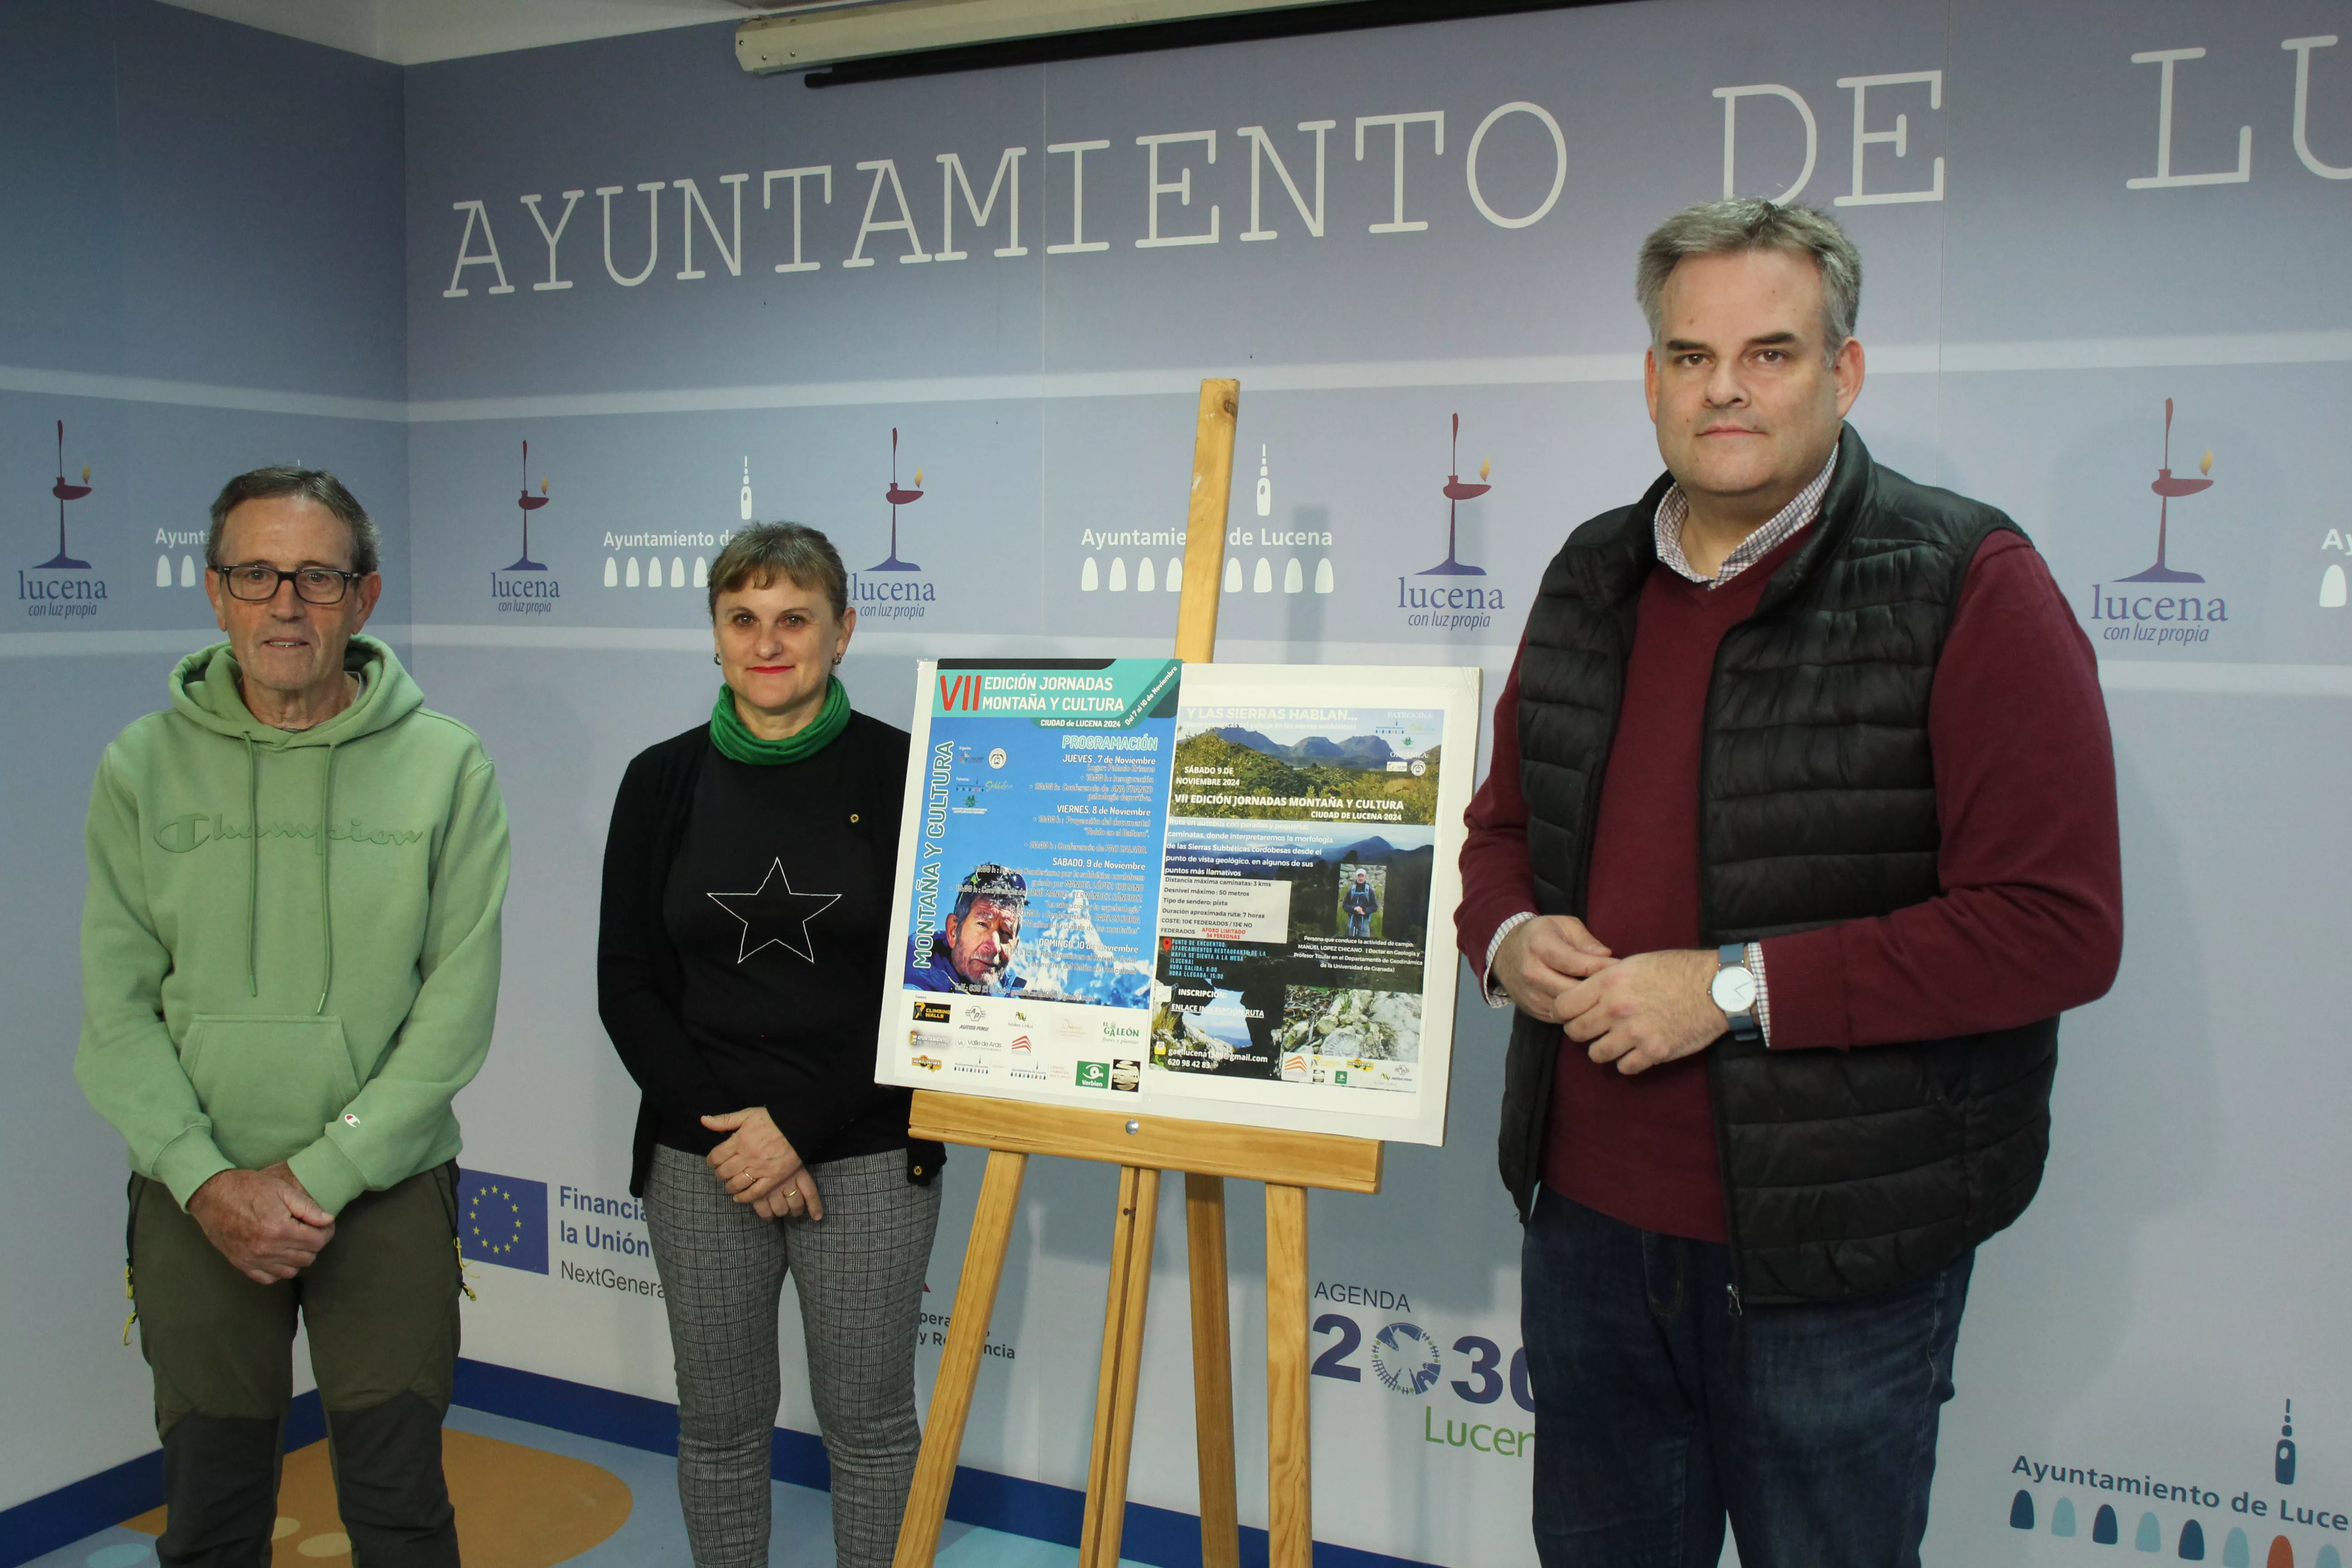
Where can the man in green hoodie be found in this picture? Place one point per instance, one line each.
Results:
(290, 967)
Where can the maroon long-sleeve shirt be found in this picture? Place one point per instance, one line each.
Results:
(2029, 924)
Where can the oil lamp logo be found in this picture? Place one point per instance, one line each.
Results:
(1447, 603)
(2155, 606)
(898, 497)
(526, 588)
(1456, 491)
(893, 588)
(64, 596)
(528, 504)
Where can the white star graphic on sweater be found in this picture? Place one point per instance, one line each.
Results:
(773, 915)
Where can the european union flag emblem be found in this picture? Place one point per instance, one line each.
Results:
(502, 1220)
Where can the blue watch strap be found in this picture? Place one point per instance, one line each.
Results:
(1744, 1026)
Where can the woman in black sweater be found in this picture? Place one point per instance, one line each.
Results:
(743, 943)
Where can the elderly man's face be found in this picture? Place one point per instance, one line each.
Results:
(1747, 405)
(284, 643)
(984, 939)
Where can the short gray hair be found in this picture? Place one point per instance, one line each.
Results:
(305, 484)
(1750, 223)
(762, 552)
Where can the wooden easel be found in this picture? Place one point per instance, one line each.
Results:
(1143, 1147)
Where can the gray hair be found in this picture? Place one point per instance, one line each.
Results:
(1750, 223)
(307, 484)
(762, 552)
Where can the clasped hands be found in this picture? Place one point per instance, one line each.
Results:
(758, 1164)
(1637, 1012)
(264, 1222)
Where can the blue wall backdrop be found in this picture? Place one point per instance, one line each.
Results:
(595, 250)
(202, 248)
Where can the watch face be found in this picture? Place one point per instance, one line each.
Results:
(1734, 990)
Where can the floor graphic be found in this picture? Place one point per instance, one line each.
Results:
(532, 1497)
(516, 1507)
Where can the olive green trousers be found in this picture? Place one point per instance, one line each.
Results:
(380, 1309)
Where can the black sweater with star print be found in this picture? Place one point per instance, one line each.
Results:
(742, 942)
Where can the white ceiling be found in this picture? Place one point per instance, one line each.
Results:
(410, 32)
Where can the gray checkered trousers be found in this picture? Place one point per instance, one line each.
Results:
(859, 1272)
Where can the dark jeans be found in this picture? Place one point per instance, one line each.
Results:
(381, 1304)
(1658, 1411)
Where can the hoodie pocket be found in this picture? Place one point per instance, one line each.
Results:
(270, 1081)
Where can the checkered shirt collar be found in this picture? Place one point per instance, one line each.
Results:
(1673, 507)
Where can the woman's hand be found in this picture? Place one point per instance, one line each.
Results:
(756, 1159)
(796, 1198)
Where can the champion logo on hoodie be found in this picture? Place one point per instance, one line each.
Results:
(179, 835)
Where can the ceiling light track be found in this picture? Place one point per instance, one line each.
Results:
(854, 43)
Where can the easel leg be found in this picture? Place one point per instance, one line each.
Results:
(1289, 1505)
(1212, 1377)
(975, 1300)
(1122, 1359)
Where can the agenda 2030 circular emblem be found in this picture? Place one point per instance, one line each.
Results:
(494, 1217)
(1406, 1358)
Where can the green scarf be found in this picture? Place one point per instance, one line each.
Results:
(728, 733)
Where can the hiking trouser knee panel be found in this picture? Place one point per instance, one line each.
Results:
(381, 1304)
(218, 1342)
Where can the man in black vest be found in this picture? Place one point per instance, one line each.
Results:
(1801, 833)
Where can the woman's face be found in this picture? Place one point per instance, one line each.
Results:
(777, 644)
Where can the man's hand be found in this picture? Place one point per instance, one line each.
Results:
(1544, 957)
(263, 1222)
(1651, 1008)
(758, 1163)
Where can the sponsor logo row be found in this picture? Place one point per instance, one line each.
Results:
(1035, 1042)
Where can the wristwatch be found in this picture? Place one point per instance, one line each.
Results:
(1734, 990)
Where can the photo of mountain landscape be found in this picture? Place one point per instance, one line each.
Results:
(1234, 770)
(1367, 751)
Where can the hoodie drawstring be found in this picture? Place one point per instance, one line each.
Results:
(253, 875)
(326, 886)
(253, 865)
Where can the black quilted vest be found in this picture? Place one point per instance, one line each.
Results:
(1845, 1173)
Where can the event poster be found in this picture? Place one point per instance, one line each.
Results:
(1217, 891)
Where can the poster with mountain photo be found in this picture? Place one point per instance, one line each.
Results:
(1028, 877)
(1307, 891)
(1221, 892)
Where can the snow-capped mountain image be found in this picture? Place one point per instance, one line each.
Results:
(1066, 960)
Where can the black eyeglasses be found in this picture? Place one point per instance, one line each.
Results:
(313, 585)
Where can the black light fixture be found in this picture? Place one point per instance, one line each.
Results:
(839, 43)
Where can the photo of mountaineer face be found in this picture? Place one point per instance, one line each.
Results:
(976, 946)
(986, 941)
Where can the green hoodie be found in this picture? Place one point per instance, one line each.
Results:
(256, 989)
